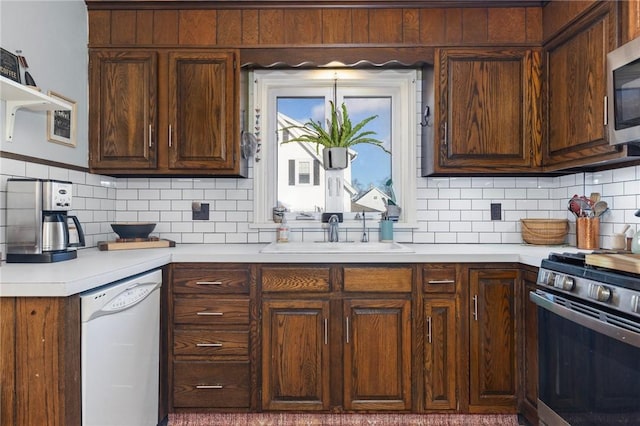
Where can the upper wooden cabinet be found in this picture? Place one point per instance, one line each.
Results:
(575, 65)
(487, 111)
(163, 112)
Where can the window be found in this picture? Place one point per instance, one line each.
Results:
(291, 174)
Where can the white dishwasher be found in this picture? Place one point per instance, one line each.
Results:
(120, 352)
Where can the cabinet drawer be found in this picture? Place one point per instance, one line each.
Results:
(211, 343)
(210, 280)
(210, 384)
(210, 310)
(391, 279)
(439, 278)
(277, 279)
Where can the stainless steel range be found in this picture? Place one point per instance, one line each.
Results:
(589, 343)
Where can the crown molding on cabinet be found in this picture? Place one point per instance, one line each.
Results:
(266, 4)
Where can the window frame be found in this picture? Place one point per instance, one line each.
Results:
(269, 84)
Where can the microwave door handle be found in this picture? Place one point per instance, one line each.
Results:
(594, 324)
(606, 110)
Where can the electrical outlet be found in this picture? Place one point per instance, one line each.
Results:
(199, 211)
(496, 211)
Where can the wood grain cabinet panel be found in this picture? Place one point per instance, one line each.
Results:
(210, 358)
(575, 64)
(189, 279)
(296, 279)
(211, 385)
(377, 354)
(493, 366)
(165, 112)
(488, 111)
(123, 115)
(441, 284)
(379, 279)
(210, 310)
(333, 350)
(295, 355)
(211, 343)
(440, 378)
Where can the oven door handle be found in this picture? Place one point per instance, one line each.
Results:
(597, 325)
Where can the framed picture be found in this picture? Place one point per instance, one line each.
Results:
(9, 65)
(61, 125)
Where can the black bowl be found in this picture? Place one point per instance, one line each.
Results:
(128, 230)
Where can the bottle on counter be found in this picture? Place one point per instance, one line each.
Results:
(635, 243)
(283, 231)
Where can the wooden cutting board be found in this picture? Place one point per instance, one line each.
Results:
(618, 262)
(128, 245)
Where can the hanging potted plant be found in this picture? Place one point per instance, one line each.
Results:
(340, 135)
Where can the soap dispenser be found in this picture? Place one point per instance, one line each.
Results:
(283, 231)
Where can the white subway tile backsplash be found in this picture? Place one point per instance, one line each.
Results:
(449, 209)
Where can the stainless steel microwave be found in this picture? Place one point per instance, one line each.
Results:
(623, 93)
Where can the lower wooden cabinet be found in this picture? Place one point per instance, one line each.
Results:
(440, 284)
(493, 348)
(211, 384)
(377, 354)
(295, 355)
(328, 349)
(332, 338)
(210, 337)
(440, 378)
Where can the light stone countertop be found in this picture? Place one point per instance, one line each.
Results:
(94, 268)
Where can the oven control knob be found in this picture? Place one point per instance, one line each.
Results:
(635, 304)
(549, 279)
(599, 293)
(563, 282)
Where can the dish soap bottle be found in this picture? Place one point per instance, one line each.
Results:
(283, 231)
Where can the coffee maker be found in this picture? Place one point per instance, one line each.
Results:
(37, 221)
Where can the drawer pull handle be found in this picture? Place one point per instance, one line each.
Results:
(442, 281)
(208, 386)
(209, 282)
(209, 345)
(219, 314)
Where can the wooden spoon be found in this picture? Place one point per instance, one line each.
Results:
(599, 208)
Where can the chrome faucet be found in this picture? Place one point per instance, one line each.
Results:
(333, 228)
(365, 237)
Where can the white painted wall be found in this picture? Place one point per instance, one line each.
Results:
(53, 37)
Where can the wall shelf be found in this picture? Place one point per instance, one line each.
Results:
(18, 96)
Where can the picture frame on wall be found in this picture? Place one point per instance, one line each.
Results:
(9, 65)
(61, 124)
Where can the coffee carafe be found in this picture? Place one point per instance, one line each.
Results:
(37, 221)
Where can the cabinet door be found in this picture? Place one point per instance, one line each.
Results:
(202, 110)
(122, 109)
(295, 355)
(440, 378)
(493, 364)
(576, 89)
(377, 354)
(489, 110)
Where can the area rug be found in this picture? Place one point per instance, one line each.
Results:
(281, 419)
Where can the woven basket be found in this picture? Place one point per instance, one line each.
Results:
(544, 231)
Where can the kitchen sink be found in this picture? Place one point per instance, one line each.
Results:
(340, 247)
